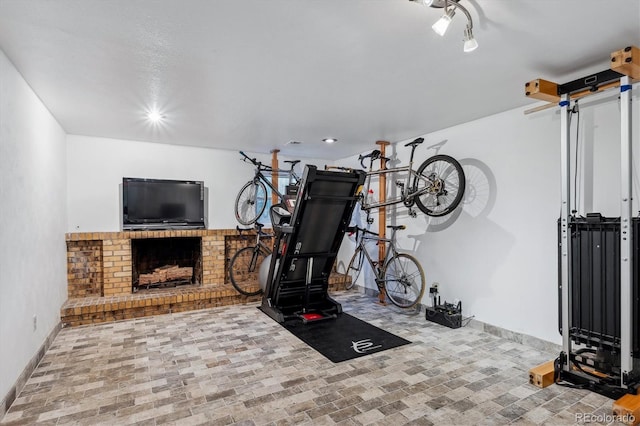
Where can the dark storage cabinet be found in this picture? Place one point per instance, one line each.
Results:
(595, 283)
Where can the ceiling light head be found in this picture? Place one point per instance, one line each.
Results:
(441, 25)
(470, 43)
(433, 3)
(330, 140)
(155, 116)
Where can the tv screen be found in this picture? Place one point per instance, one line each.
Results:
(162, 204)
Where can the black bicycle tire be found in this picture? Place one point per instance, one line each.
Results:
(461, 185)
(357, 271)
(390, 294)
(240, 285)
(251, 219)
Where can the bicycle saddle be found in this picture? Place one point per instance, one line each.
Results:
(292, 162)
(396, 227)
(416, 142)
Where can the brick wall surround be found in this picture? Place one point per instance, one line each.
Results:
(116, 268)
(84, 268)
(99, 274)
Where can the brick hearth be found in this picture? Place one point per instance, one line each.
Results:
(99, 277)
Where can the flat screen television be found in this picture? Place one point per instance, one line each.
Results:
(162, 204)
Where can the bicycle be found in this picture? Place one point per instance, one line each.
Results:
(252, 198)
(245, 264)
(436, 187)
(400, 275)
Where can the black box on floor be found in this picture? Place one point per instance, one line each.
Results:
(446, 315)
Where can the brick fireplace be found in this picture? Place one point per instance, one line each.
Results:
(102, 263)
(166, 262)
(102, 268)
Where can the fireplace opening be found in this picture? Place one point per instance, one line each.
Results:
(166, 262)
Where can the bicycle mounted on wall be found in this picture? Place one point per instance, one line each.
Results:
(436, 187)
(252, 198)
(399, 275)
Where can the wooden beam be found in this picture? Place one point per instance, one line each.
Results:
(624, 61)
(627, 61)
(542, 90)
(382, 214)
(274, 174)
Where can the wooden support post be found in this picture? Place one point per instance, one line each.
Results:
(274, 174)
(628, 409)
(627, 61)
(382, 214)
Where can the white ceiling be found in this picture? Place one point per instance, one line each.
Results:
(256, 74)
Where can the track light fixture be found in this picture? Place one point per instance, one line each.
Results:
(442, 24)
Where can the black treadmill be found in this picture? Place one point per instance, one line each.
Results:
(308, 233)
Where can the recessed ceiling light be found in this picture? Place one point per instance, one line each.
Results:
(155, 116)
(330, 140)
(293, 143)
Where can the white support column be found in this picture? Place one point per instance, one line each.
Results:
(626, 234)
(565, 237)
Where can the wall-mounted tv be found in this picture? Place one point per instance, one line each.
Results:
(162, 204)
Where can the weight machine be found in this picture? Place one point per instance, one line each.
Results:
(599, 289)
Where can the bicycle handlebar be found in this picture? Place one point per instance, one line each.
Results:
(269, 168)
(358, 229)
(374, 155)
(252, 160)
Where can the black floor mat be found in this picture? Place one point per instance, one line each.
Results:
(344, 337)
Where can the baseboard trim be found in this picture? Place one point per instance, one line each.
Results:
(8, 399)
(525, 339)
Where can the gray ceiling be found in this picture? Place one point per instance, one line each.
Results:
(257, 74)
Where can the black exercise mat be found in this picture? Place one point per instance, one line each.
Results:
(343, 338)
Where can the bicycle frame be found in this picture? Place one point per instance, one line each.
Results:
(390, 251)
(260, 176)
(293, 177)
(409, 187)
(404, 192)
(259, 236)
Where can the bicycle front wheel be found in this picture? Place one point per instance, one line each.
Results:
(355, 267)
(404, 280)
(442, 181)
(250, 202)
(244, 268)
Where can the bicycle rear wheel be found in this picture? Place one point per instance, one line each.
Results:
(355, 267)
(443, 180)
(250, 202)
(244, 268)
(404, 280)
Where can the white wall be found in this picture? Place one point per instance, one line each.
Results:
(32, 224)
(96, 167)
(498, 253)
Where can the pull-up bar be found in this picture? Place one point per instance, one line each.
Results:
(624, 62)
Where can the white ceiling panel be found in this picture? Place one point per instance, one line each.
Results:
(256, 74)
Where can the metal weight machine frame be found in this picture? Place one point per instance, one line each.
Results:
(628, 378)
(615, 343)
(308, 234)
